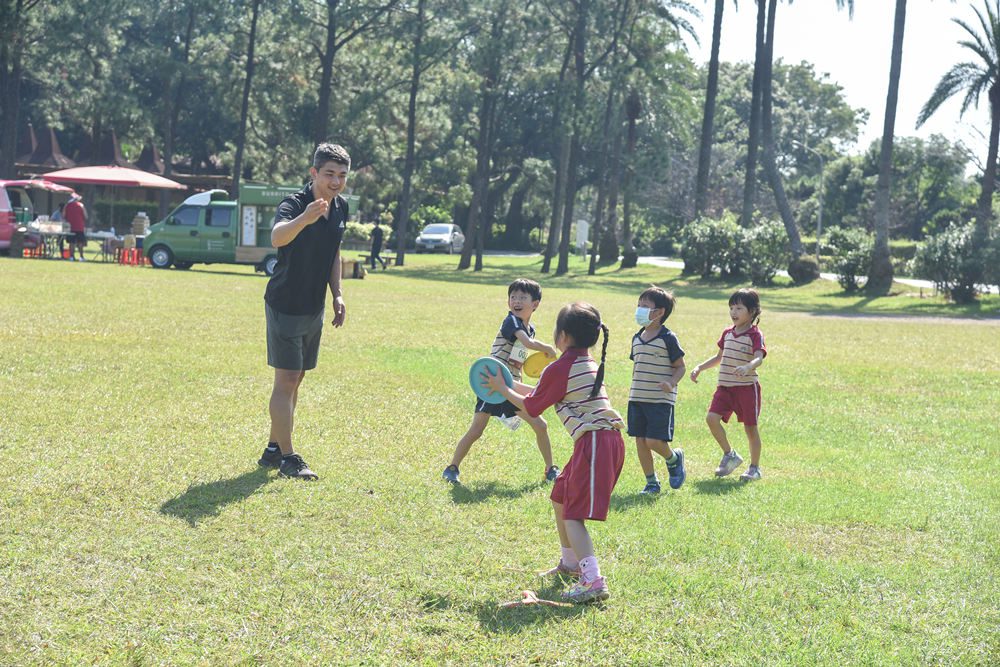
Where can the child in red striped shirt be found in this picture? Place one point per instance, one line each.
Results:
(574, 384)
(741, 352)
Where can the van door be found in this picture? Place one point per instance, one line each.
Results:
(182, 233)
(218, 235)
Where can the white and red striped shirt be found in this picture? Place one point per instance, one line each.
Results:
(738, 349)
(566, 383)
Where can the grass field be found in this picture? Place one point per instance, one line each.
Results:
(136, 528)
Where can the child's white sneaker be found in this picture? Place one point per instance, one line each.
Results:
(510, 422)
(751, 475)
(730, 462)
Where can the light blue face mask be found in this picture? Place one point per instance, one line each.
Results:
(642, 316)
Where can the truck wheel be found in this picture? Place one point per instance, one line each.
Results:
(183, 265)
(161, 257)
(269, 265)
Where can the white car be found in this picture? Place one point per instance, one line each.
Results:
(448, 238)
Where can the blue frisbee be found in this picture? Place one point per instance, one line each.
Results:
(478, 375)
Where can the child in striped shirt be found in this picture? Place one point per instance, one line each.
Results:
(741, 352)
(574, 384)
(658, 366)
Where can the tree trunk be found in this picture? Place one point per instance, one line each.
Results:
(403, 210)
(561, 164)
(633, 108)
(880, 275)
(770, 158)
(322, 122)
(609, 242)
(750, 178)
(985, 206)
(708, 119)
(602, 182)
(173, 117)
(579, 55)
(11, 43)
(514, 225)
(245, 107)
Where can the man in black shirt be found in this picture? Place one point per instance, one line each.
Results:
(307, 231)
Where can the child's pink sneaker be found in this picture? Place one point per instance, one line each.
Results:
(588, 591)
(562, 570)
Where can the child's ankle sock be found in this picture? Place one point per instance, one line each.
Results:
(652, 479)
(589, 569)
(569, 558)
(272, 446)
(673, 459)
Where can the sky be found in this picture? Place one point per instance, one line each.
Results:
(855, 52)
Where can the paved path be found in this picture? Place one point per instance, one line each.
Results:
(912, 282)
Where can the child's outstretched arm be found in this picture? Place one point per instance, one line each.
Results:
(705, 365)
(536, 345)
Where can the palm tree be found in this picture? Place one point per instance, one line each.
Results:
(976, 77)
(880, 274)
(708, 118)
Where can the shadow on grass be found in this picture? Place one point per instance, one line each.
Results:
(719, 486)
(203, 501)
(516, 619)
(483, 491)
(623, 503)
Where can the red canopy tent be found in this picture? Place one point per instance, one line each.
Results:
(111, 175)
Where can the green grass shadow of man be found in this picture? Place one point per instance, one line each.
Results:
(203, 501)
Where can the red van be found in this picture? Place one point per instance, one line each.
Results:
(17, 208)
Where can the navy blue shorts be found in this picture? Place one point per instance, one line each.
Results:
(651, 420)
(505, 409)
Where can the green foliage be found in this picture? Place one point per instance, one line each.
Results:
(358, 232)
(710, 244)
(954, 261)
(767, 250)
(852, 253)
(430, 215)
(804, 269)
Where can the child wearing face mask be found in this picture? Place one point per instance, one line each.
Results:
(658, 366)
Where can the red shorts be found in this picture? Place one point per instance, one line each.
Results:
(584, 486)
(744, 400)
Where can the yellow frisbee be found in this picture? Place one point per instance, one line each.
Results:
(536, 363)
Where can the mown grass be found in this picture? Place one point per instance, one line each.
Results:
(135, 527)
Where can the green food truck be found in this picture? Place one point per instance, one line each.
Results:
(209, 228)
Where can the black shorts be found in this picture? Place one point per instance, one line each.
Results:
(651, 420)
(79, 238)
(293, 340)
(505, 409)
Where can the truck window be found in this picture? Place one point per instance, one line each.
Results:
(187, 216)
(220, 217)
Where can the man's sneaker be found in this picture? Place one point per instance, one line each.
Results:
(588, 591)
(676, 472)
(451, 474)
(650, 490)
(271, 458)
(730, 462)
(561, 570)
(293, 466)
(751, 475)
(551, 473)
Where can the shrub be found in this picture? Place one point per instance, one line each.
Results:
(804, 269)
(852, 256)
(991, 262)
(358, 232)
(710, 243)
(765, 250)
(953, 260)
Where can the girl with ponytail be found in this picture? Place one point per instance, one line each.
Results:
(574, 385)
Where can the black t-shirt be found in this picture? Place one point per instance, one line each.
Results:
(376, 239)
(299, 283)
